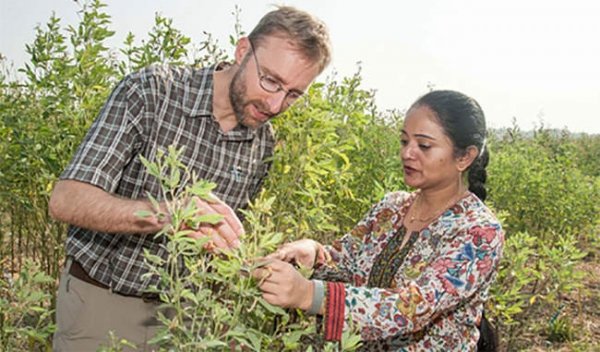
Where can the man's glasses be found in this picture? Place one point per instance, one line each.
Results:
(272, 85)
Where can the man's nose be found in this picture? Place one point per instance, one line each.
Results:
(275, 101)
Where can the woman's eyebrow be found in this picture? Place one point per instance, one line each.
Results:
(420, 135)
(425, 136)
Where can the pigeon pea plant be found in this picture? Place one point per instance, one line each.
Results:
(210, 299)
(25, 312)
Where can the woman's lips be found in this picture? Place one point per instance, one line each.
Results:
(409, 170)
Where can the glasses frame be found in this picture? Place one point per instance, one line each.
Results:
(272, 85)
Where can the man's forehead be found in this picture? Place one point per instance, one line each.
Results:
(281, 59)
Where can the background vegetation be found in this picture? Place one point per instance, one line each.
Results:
(336, 155)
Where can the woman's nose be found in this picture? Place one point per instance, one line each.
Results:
(406, 152)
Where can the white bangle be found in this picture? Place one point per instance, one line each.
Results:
(318, 295)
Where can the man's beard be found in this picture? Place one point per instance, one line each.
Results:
(237, 95)
(238, 99)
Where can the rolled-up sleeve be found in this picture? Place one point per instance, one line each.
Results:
(111, 140)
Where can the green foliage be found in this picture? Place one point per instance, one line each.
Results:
(332, 160)
(559, 328)
(551, 211)
(336, 155)
(588, 153)
(41, 123)
(541, 187)
(214, 303)
(166, 45)
(116, 344)
(25, 310)
(511, 295)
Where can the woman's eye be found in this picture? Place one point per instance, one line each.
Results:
(403, 142)
(424, 146)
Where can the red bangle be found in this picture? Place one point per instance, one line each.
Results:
(334, 315)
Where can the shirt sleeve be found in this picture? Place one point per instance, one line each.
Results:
(112, 140)
(340, 257)
(465, 265)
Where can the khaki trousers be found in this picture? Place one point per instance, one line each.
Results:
(86, 313)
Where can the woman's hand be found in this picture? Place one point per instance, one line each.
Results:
(302, 252)
(283, 286)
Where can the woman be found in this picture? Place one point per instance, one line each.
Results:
(415, 272)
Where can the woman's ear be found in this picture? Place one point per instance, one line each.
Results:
(241, 49)
(464, 161)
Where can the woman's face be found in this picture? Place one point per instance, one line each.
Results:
(427, 152)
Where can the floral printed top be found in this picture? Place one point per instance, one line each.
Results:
(428, 295)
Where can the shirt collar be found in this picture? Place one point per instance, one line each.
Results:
(198, 97)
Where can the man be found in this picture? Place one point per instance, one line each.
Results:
(220, 114)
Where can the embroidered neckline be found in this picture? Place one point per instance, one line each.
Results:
(390, 259)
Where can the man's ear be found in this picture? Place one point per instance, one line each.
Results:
(241, 49)
(464, 161)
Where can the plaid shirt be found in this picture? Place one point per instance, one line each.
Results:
(150, 109)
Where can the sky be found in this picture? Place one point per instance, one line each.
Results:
(536, 61)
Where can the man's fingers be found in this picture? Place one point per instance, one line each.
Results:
(229, 216)
(223, 228)
(216, 240)
(228, 234)
(224, 231)
(224, 209)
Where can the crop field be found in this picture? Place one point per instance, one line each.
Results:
(336, 155)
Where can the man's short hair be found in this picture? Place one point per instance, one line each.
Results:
(305, 31)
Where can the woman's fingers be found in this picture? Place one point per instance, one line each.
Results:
(283, 254)
(284, 286)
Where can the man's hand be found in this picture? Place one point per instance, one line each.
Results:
(226, 233)
(283, 286)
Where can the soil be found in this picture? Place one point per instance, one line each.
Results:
(581, 312)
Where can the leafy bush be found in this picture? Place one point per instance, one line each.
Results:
(214, 303)
(551, 219)
(25, 310)
(335, 157)
(539, 183)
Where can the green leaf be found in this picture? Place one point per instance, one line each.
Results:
(271, 308)
(210, 218)
(161, 337)
(143, 213)
(212, 344)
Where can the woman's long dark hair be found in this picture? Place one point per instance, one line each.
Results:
(463, 121)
